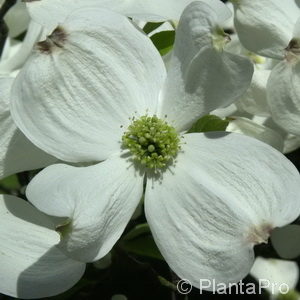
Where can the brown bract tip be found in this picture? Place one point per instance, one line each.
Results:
(260, 234)
(294, 46)
(293, 51)
(56, 39)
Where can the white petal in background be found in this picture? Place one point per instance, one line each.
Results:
(229, 23)
(16, 61)
(50, 13)
(261, 128)
(260, 62)
(225, 112)
(108, 77)
(225, 193)
(11, 47)
(201, 78)
(266, 27)
(283, 95)
(250, 128)
(281, 274)
(149, 10)
(98, 200)
(254, 101)
(31, 266)
(296, 33)
(17, 19)
(286, 241)
(223, 12)
(17, 153)
(291, 143)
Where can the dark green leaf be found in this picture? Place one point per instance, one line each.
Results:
(140, 241)
(164, 41)
(137, 231)
(209, 123)
(149, 27)
(11, 182)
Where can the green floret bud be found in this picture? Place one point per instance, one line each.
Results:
(151, 141)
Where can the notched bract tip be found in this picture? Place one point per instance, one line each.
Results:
(56, 39)
(64, 228)
(293, 50)
(260, 234)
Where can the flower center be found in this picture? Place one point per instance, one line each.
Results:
(151, 141)
(220, 38)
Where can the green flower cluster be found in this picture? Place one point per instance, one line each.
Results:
(151, 141)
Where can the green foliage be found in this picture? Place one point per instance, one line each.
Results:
(291, 295)
(149, 27)
(8, 184)
(140, 241)
(164, 41)
(209, 123)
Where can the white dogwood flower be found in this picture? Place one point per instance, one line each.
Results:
(266, 27)
(97, 90)
(271, 28)
(31, 264)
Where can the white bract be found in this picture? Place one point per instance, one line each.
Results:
(50, 13)
(18, 21)
(266, 26)
(261, 128)
(254, 101)
(278, 276)
(45, 15)
(283, 93)
(258, 131)
(290, 142)
(91, 93)
(31, 264)
(10, 48)
(16, 61)
(17, 153)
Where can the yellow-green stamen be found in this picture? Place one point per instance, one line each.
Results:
(151, 141)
